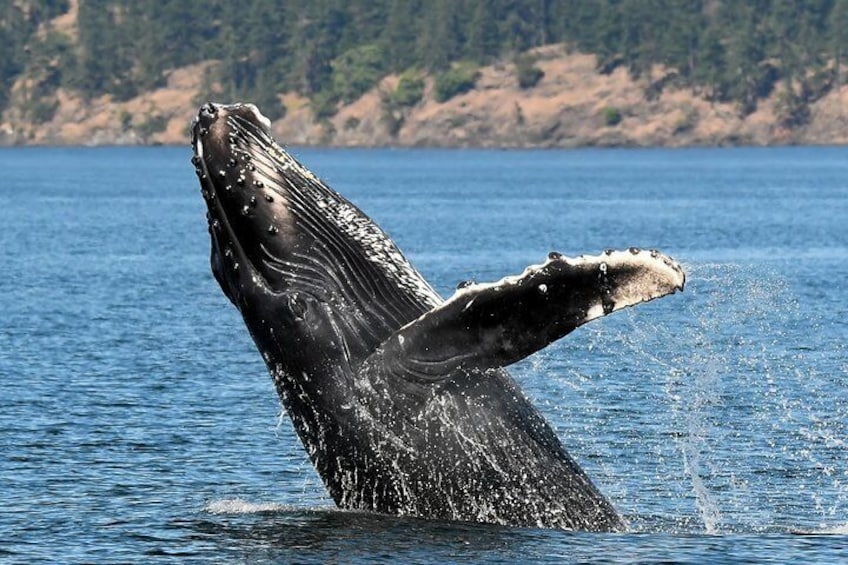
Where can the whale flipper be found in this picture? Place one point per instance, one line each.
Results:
(490, 325)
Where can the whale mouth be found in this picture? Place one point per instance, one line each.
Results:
(234, 161)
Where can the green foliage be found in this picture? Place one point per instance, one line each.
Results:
(41, 110)
(356, 71)
(612, 116)
(392, 119)
(460, 78)
(151, 125)
(334, 51)
(409, 90)
(792, 110)
(527, 72)
(324, 105)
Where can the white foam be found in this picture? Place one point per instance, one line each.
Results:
(835, 531)
(240, 506)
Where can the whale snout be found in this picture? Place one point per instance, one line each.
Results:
(212, 128)
(233, 159)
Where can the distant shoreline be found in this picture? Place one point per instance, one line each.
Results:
(573, 105)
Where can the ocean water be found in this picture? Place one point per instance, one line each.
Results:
(138, 423)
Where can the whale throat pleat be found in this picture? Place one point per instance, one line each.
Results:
(344, 255)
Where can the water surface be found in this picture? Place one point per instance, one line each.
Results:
(137, 420)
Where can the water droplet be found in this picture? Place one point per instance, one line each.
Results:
(231, 162)
(216, 224)
(246, 156)
(543, 288)
(253, 201)
(245, 210)
(196, 160)
(258, 183)
(464, 284)
(634, 250)
(235, 266)
(240, 181)
(222, 173)
(269, 198)
(554, 255)
(228, 252)
(228, 188)
(272, 230)
(603, 268)
(251, 167)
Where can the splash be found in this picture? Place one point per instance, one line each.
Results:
(240, 506)
(756, 421)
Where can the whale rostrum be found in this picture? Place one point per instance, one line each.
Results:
(401, 398)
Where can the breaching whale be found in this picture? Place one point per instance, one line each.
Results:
(401, 398)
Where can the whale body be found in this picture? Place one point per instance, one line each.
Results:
(401, 398)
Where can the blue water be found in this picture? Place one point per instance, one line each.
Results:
(137, 420)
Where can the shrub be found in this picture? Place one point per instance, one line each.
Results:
(409, 91)
(527, 73)
(792, 111)
(42, 110)
(154, 124)
(458, 79)
(687, 119)
(612, 116)
(351, 123)
(392, 120)
(324, 104)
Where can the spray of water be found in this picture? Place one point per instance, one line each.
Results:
(756, 420)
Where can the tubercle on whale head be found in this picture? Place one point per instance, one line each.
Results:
(233, 160)
(253, 233)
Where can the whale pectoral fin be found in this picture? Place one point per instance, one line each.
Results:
(492, 325)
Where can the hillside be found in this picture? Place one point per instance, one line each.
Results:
(506, 73)
(569, 107)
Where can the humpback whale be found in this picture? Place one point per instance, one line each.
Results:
(401, 398)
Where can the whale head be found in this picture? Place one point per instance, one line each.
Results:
(246, 221)
(302, 264)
